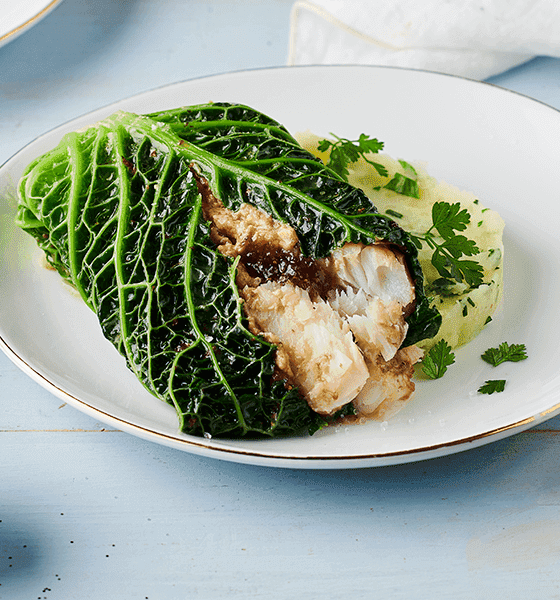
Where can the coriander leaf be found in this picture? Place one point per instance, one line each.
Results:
(505, 352)
(436, 361)
(492, 385)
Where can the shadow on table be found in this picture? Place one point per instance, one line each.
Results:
(21, 555)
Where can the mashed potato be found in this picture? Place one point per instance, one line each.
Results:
(464, 312)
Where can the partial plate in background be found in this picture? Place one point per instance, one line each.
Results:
(17, 16)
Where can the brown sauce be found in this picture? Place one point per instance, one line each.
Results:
(264, 260)
(272, 263)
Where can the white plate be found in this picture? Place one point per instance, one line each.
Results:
(498, 144)
(17, 16)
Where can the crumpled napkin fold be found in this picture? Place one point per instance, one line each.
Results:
(475, 39)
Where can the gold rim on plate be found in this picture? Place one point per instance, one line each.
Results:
(4, 38)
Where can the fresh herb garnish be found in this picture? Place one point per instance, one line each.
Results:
(449, 247)
(436, 361)
(496, 356)
(441, 287)
(408, 167)
(345, 151)
(492, 385)
(447, 219)
(403, 185)
(505, 352)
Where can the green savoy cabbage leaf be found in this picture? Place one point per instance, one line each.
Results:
(117, 210)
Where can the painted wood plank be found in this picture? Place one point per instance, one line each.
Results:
(102, 514)
(91, 515)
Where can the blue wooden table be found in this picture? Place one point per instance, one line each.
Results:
(87, 511)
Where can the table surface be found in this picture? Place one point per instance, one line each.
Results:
(87, 511)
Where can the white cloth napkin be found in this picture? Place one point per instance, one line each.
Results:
(470, 38)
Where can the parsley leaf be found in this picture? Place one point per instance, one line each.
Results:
(345, 151)
(505, 352)
(450, 267)
(449, 247)
(492, 385)
(403, 185)
(438, 358)
(408, 167)
(447, 218)
(441, 287)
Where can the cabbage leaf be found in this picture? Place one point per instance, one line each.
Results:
(117, 209)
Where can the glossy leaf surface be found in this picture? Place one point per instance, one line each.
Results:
(117, 210)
